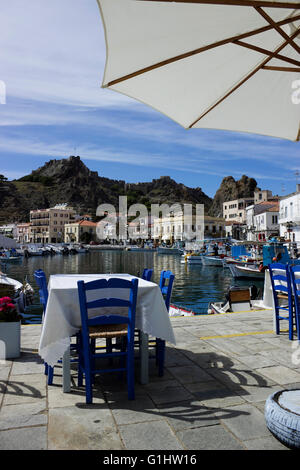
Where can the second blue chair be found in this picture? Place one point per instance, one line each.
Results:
(147, 274)
(166, 286)
(282, 291)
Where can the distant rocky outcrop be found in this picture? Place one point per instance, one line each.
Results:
(70, 181)
(231, 189)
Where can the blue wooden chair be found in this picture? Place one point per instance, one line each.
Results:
(41, 281)
(282, 291)
(295, 281)
(147, 274)
(106, 326)
(166, 286)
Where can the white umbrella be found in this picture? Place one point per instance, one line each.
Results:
(218, 64)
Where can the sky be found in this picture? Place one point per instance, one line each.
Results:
(52, 59)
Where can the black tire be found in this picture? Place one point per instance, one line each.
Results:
(284, 424)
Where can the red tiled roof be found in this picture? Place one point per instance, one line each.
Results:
(87, 223)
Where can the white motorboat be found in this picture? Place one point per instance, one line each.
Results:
(208, 260)
(252, 272)
(176, 311)
(23, 293)
(9, 256)
(192, 258)
(34, 250)
(238, 299)
(163, 250)
(80, 249)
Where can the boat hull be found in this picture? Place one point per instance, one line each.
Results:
(212, 261)
(245, 272)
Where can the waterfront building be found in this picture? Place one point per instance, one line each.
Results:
(174, 227)
(9, 230)
(23, 232)
(47, 225)
(263, 220)
(266, 215)
(262, 195)
(83, 231)
(234, 213)
(289, 216)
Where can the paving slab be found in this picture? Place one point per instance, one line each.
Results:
(209, 438)
(154, 435)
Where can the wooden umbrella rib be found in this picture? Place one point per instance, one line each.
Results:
(281, 69)
(277, 28)
(266, 52)
(245, 79)
(198, 51)
(243, 3)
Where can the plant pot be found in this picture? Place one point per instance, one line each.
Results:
(10, 340)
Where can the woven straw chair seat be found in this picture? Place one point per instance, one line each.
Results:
(108, 331)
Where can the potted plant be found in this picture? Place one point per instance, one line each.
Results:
(10, 329)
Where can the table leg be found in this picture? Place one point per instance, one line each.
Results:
(66, 371)
(144, 355)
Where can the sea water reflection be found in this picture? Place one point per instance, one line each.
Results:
(195, 286)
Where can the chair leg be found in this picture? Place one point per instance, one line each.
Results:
(291, 324)
(50, 375)
(161, 347)
(130, 372)
(88, 376)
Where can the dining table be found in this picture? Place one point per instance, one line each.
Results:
(62, 318)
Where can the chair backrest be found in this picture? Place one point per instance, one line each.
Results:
(166, 285)
(295, 281)
(280, 280)
(102, 302)
(41, 281)
(147, 274)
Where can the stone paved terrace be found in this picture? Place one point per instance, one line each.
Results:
(212, 395)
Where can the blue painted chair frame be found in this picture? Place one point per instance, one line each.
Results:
(278, 289)
(166, 286)
(88, 355)
(147, 274)
(296, 293)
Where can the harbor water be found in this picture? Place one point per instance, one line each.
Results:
(195, 285)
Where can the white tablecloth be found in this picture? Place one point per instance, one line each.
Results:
(62, 316)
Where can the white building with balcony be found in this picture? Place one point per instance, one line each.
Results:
(289, 216)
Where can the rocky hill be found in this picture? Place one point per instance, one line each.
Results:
(70, 181)
(231, 189)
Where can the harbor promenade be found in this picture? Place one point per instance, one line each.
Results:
(212, 396)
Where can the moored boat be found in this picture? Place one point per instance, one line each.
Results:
(10, 256)
(21, 294)
(238, 299)
(208, 260)
(163, 250)
(176, 311)
(252, 272)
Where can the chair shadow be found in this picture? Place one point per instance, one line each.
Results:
(20, 389)
(222, 382)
